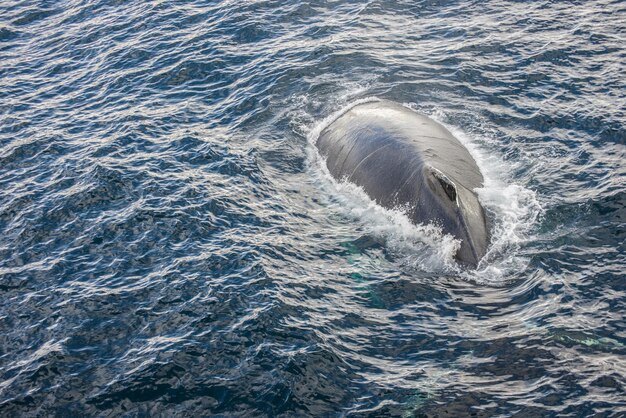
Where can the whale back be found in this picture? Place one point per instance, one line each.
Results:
(403, 159)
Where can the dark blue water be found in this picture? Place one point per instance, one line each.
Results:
(171, 245)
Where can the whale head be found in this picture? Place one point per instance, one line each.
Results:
(458, 211)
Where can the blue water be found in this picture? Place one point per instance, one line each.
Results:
(170, 243)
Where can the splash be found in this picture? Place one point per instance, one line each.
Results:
(512, 210)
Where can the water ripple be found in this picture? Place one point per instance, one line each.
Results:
(171, 245)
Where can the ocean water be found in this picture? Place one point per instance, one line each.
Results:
(171, 244)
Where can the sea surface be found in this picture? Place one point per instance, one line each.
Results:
(172, 245)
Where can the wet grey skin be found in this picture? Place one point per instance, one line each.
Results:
(404, 159)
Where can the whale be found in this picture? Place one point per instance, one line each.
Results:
(403, 159)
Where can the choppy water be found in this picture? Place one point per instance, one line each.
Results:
(171, 244)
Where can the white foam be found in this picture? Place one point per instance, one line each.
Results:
(413, 245)
(512, 210)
